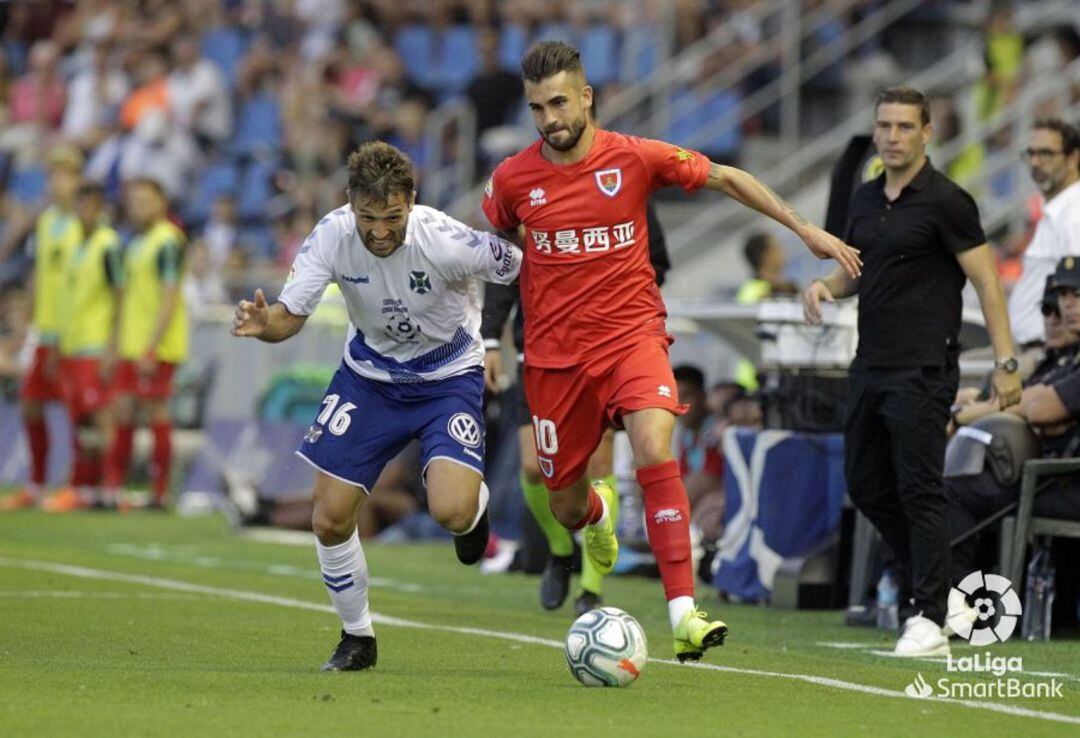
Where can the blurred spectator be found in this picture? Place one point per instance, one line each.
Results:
(152, 23)
(965, 166)
(494, 92)
(1053, 158)
(221, 232)
(153, 337)
(204, 286)
(152, 92)
(57, 233)
(294, 228)
(35, 106)
(1003, 51)
(699, 454)
(15, 344)
(767, 261)
(38, 96)
(94, 96)
(198, 95)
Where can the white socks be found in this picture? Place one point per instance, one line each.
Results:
(481, 506)
(679, 606)
(345, 573)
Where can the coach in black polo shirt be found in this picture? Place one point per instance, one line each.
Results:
(920, 238)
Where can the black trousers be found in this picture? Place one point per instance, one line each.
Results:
(974, 498)
(894, 453)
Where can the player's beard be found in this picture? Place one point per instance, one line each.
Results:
(575, 130)
(384, 247)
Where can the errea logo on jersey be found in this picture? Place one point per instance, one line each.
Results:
(537, 196)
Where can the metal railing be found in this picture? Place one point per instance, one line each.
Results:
(450, 128)
(813, 157)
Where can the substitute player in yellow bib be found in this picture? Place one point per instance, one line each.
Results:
(88, 339)
(56, 235)
(153, 336)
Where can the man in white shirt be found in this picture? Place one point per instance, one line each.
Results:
(412, 368)
(1053, 156)
(198, 95)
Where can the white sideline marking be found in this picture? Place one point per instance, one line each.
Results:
(278, 535)
(70, 594)
(189, 555)
(245, 596)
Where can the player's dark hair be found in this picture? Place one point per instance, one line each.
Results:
(905, 95)
(1070, 136)
(754, 250)
(690, 373)
(90, 188)
(547, 58)
(377, 170)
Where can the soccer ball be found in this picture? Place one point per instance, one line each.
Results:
(606, 648)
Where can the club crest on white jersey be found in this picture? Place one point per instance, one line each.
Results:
(414, 315)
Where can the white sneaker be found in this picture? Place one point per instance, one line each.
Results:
(922, 637)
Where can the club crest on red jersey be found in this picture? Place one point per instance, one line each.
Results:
(609, 181)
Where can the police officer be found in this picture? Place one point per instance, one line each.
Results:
(920, 237)
(1050, 405)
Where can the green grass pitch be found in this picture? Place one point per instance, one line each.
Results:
(156, 625)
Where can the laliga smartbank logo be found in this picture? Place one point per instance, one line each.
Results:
(983, 609)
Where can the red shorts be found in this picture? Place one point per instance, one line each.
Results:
(36, 386)
(84, 392)
(573, 407)
(157, 386)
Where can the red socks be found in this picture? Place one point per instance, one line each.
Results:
(667, 520)
(38, 439)
(160, 460)
(85, 470)
(119, 457)
(594, 513)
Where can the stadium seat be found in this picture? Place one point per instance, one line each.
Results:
(259, 241)
(28, 185)
(225, 47)
(216, 179)
(458, 60)
(258, 126)
(415, 45)
(692, 113)
(600, 53)
(256, 189)
(513, 43)
(644, 47)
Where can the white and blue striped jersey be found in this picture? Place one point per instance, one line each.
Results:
(414, 315)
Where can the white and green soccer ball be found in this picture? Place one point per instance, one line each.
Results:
(606, 648)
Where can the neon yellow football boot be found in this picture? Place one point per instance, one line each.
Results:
(694, 634)
(601, 546)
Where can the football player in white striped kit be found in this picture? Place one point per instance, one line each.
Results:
(412, 368)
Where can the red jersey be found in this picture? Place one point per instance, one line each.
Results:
(587, 287)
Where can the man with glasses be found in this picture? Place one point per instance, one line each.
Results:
(1053, 157)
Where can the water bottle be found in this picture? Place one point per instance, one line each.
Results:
(888, 594)
(1039, 596)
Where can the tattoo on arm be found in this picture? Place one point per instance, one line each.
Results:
(787, 206)
(718, 179)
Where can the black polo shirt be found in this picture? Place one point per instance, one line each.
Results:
(909, 291)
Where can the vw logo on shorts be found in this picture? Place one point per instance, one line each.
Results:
(464, 429)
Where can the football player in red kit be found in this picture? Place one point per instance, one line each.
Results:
(595, 338)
